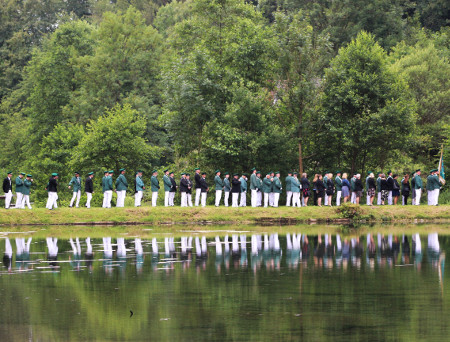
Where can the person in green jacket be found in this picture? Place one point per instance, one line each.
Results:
(325, 181)
(226, 188)
(338, 185)
(433, 187)
(352, 187)
(259, 183)
(105, 195)
(121, 188)
(219, 187)
(140, 187)
(418, 184)
(288, 181)
(26, 191)
(277, 189)
(379, 188)
(109, 188)
(167, 186)
(155, 187)
(267, 188)
(243, 179)
(295, 188)
(272, 193)
(19, 189)
(253, 188)
(75, 184)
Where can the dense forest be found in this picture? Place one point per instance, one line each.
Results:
(223, 84)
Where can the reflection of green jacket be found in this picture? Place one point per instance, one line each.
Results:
(75, 182)
(288, 181)
(253, 181)
(121, 183)
(139, 184)
(338, 183)
(167, 183)
(218, 183)
(226, 185)
(419, 183)
(155, 184)
(243, 184)
(267, 185)
(295, 184)
(277, 185)
(26, 187)
(19, 184)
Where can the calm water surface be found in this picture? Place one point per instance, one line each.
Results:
(229, 288)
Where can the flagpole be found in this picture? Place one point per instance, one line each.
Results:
(440, 159)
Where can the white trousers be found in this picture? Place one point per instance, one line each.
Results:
(418, 194)
(235, 199)
(26, 200)
(8, 197)
(266, 199)
(326, 199)
(121, 198)
(259, 199)
(390, 198)
(367, 199)
(218, 197)
(243, 199)
(166, 198)
(436, 196)
(379, 198)
(105, 198)
(108, 195)
(154, 198)
(19, 200)
(288, 198)
(254, 198)
(430, 199)
(184, 199)
(171, 198)
(271, 198)
(276, 198)
(226, 197)
(189, 199)
(51, 201)
(77, 195)
(88, 200)
(198, 193)
(203, 199)
(296, 199)
(353, 198)
(138, 198)
(338, 198)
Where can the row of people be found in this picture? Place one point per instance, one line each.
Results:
(264, 191)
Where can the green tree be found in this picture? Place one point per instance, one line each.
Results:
(367, 110)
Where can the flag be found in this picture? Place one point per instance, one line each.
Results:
(441, 167)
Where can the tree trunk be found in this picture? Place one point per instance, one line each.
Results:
(300, 157)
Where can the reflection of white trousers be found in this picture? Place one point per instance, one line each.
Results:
(166, 198)
(390, 197)
(154, 198)
(203, 197)
(198, 193)
(88, 201)
(225, 199)
(338, 198)
(243, 199)
(184, 199)
(26, 199)
(266, 199)
(259, 199)
(379, 198)
(235, 199)
(77, 195)
(296, 199)
(52, 198)
(121, 198)
(8, 197)
(171, 198)
(418, 194)
(288, 198)
(138, 198)
(254, 198)
(218, 197)
(108, 195)
(19, 200)
(271, 198)
(276, 197)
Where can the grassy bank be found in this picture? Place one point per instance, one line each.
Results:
(211, 215)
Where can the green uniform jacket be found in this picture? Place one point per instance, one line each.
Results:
(288, 181)
(104, 183)
(75, 183)
(108, 184)
(437, 183)
(295, 184)
(26, 187)
(277, 185)
(352, 183)
(19, 184)
(226, 185)
(418, 184)
(155, 184)
(218, 183)
(167, 183)
(433, 183)
(253, 181)
(260, 183)
(267, 185)
(338, 183)
(378, 184)
(121, 183)
(139, 184)
(243, 184)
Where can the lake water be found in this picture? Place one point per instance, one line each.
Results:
(239, 287)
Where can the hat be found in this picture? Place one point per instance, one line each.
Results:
(253, 169)
(203, 173)
(245, 174)
(166, 170)
(23, 173)
(54, 174)
(76, 172)
(217, 171)
(418, 170)
(154, 171)
(226, 173)
(105, 171)
(258, 172)
(9, 173)
(183, 174)
(277, 172)
(338, 172)
(295, 173)
(235, 174)
(188, 174)
(197, 168)
(271, 172)
(90, 173)
(29, 176)
(434, 170)
(389, 172)
(171, 173)
(120, 170)
(369, 172)
(111, 171)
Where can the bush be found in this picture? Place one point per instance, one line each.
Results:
(350, 211)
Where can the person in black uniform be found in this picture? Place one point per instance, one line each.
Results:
(235, 190)
(173, 189)
(189, 189)
(320, 189)
(204, 188)
(52, 189)
(7, 189)
(405, 188)
(358, 188)
(89, 188)
(198, 187)
(390, 184)
(306, 192)
(330, 189)
(384, 189)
